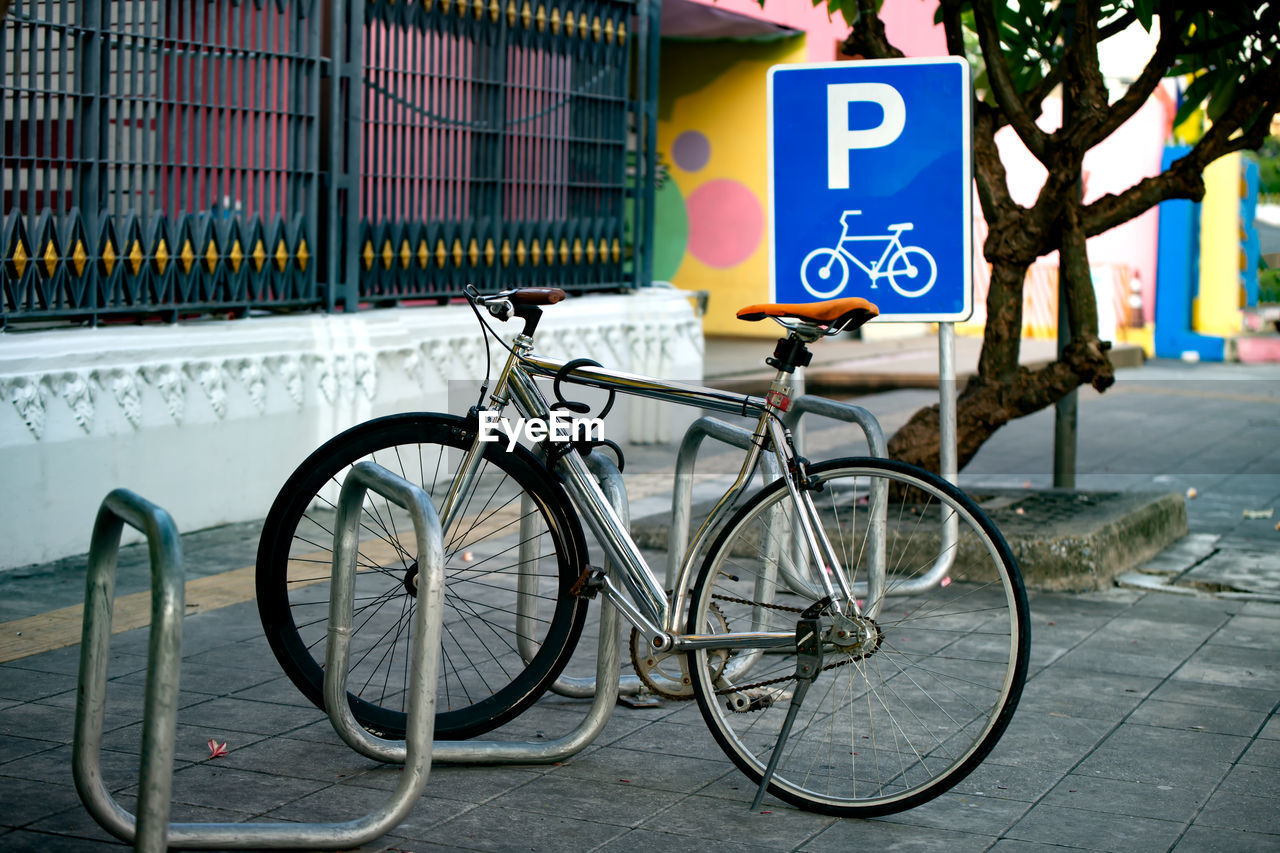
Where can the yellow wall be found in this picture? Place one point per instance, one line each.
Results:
(718, 90)
(1217, 307)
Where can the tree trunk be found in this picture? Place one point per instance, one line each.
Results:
(1002, 391)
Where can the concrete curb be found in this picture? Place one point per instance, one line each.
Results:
(1063, 541)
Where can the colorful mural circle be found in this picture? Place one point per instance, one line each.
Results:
(671, 228)
(691, 150)
(725, 223)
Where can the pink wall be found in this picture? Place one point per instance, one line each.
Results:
(908, 23)
(1130, 154)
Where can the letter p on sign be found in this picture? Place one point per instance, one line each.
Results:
(841, 140)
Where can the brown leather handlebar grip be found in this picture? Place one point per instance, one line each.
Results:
(537, 296)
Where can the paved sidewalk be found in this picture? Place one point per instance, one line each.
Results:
(1149, 721)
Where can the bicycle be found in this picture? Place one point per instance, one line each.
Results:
(824, 668)
(911, 265)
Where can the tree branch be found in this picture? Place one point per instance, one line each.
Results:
(1085, 92)
(1241, 128)
(953, 26)
(988, 169)
(1137, 94)
(1002, 84)
(867, 37)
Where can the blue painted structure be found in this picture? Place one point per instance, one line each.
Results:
(1178, 277)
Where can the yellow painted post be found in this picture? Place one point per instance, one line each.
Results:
(1216, 310)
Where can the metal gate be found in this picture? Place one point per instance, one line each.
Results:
(171, 157)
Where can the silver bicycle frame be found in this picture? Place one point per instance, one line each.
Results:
(634, 589)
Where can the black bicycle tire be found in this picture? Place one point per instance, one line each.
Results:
(355, 443)
(1020, 664)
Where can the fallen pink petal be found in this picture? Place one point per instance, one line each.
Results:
(217, 749)
(946, 581)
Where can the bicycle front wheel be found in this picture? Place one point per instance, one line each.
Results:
(905, 704)
(512, 552)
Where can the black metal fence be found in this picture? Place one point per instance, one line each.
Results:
(172, 157)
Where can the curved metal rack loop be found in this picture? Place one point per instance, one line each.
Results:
(150, 830)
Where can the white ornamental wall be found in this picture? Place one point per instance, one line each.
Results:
(208, 418)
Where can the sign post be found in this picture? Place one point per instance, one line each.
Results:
(870, 174)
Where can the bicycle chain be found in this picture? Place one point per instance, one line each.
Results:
(757, 603)
(742, 687)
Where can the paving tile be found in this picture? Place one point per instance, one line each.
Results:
(236, 790)
(119, 769)
(48, 722)
(27, 800)
(1182, 759)
(298, 758)
(991, 779)
(1177, 610)
(335, 803)
(1094, 831)
(1272, 729)
(23, 841)
(1236, 810)
(474, 785)
(1048, 742)
(664, 737)
(846, 835)
(1263, 752)
(1115, 796)
(25, 685)
(246, 715)
(964, 813)
(1093, 658)
(1255, 779)
(1217, 695)
(1204, 839)
(647, 839)
(616, 803)
(190, 741)
(1083, 693)
(658, 771)
(13, 748)
(210, 680)
(66, 661)
(498, 829)
(776, 825)
(1012, 845)
(1231, 666)
(1251, 632)
(78, 823)
(1204, 718)
(279, 690)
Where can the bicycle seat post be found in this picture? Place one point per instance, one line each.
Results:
(791, 352)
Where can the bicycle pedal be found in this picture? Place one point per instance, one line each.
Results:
(589, 583)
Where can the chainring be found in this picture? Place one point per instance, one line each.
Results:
(667, 673)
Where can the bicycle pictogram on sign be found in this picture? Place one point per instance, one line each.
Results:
(911, 270)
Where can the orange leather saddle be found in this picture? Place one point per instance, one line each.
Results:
(847, 314)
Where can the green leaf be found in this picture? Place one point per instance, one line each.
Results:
(1224, 93)
(1144, 9)
(1194, 96)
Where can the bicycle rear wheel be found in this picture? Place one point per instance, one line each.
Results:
(905, 704)
(494, 663)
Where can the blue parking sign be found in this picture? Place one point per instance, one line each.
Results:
(869, 185)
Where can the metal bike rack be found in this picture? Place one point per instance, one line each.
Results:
(806, 404)
(150, 830)
(682, 490)
(812, 404)
(604, 687)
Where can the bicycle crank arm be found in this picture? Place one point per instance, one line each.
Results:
(808, 665)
